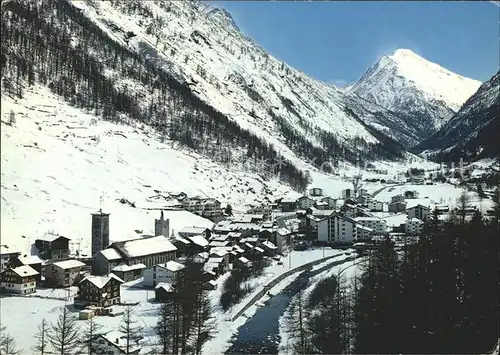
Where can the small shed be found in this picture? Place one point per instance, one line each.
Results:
(86, 314)
(164, 292)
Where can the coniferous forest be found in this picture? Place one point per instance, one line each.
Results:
(439, 295)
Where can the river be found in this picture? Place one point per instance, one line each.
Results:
(260, 333)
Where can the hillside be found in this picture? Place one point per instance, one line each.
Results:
(422, 94)
(472, 133)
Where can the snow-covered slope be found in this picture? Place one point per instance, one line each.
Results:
(203, 47)
(57, 161)
(424, 94)
(473, 132)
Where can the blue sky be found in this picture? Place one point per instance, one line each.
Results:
(337, 41)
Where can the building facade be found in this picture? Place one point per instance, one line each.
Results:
(98, 291)
(7, 254)
(20, 280)
(162, 273)
(419, 211)
(52, 246)
(414, 226)
(375, 206)
(377, 225)
(63, 273)
(100, 231)
(337, 229)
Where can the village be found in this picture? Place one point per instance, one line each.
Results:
(94, 285)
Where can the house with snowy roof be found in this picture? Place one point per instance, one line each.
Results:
(21, 280)
(167, 273)
(52, 246)
(413, 226)
(115, 342)
(98, 291)
(420, 210)
(128, 272)
(187, 232)
(29, 260)
(7, 254)
(105, 260)
(63, 273)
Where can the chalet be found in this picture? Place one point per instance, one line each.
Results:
(147, 250)
(288, 204)
(217, 265)
(411, 194)
(413, 226)
(348, 193)
(363, 233)
(29, 260)
(21, 280)
(282, 240)
(269, 248)
(164, 292)
(364, 200)
(397, 198)
(7, 254)
(304, 202)
(316, 191)
(418, 211)
(264, 210)
(397, 206)
(349, 210)
(115, 343)
(331, 202)
(105, 260)
(376, 224)
(375, 206)
(187, 232)
(98, 291)
(128, 273)
(63, 273)
(205, 207)
(337, 229)
(52, 246)
(166, 273)
(242, 263)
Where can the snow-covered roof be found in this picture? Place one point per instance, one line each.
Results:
(30, 259)
(166, 286)
(110, 254)
(212, 282)
(242, 219)
(238, 249)
(260, 250)
(50, 237)
(203, 255)
(220, 251)
(192, 230)
(145, 246)
(371, 218)
(283, 231)
(248, 245)
(25, 270)
(101, 281)
(269, 244)
(124, 268)
(68, 264)
(414, 220)
(6, 249)
(172, 266)
(216, 243)
(215, 260)
(243, 259)
(199, 240)
(359, 226)
(118, 340)
(182, 240)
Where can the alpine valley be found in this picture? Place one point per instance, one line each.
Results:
(137, 100)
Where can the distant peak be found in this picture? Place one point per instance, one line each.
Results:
(404, 53)
(222, 15)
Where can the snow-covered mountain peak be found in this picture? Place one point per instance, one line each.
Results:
(423, 91)
(433, 79)
(222, 16)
